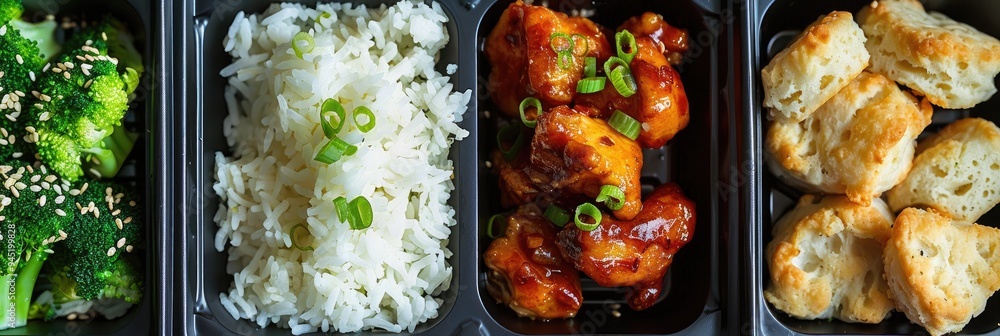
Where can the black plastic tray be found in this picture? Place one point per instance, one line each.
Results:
(699, 285)
(767, 27)
(143, 168)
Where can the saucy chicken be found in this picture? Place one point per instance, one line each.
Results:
(525, 63)
(634, 253)
(671, 41)
(577, 154)
(660, 102)
(527, 271)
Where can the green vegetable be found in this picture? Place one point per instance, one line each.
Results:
(591, 85)
(525, 104)
(334, 150)
(364, 111)
(625, 45)
(109, 228)
(33, 222)
(332, 108)
(622, 80)
(612, 196)
(590, 210)
(625, 124)
(359, 213)
(303, 43)
(489, 226)
(589, 67)
(82, 99)
(514, 135)
(557, 215)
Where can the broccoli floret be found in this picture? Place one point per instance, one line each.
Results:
(33, 216)
(109, 229)
(41, 32)
(82, 99)
(122, 289)
(10, 10)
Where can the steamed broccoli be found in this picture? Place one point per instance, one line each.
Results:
(83, 97)
(90, 259)
(122, 289)
(21, 62)
(33, 215)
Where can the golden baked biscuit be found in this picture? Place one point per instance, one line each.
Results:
(860, 143)
(951, 63)
(941, 272)
(956, 172)
(824, 59)
(826, 260)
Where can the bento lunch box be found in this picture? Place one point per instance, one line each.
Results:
(767, 27)
(701, 290)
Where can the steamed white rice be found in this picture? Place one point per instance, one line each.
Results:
(386, 276)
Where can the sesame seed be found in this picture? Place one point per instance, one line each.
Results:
(32, 75)
(121, 242)
(62, 234)
(104, 36)
(1, 76)
(89, 42)
(83, 189)
(41, 201)
(75, 192)
(96, 173)
(19, 59)
(3, 30)
(111, 251)
(35, 188)
(118, 222)
(131, 203)
(66, 74)
(116, 212)
(80, 58)
(20, 185)
(128, 248)
(44, 116)
(47, 66)
(15, 192)
(57, 70)
(127, 220)
(69, 65)
(71, 316)
(60, 199)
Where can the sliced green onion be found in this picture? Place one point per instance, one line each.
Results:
(625, 124)
(612, 196)
(489, 226)
(588, 210)
(295, 243)
(589, 67)
(331, 107)
(625, 39)
(557, 215)
(611, 65)
(621, 79)
(560, 42)
(565, 59)
(341, 204)
(368, 126)
(530, 102)
(580, 40)
(303, 43)
(513, 134)
(360, 213)
(591, 85)
(334, 150)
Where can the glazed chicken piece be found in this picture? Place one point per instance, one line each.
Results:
(660, 102)
(672, 41)
(576, 154)
(524, 63)
(528, 273)
(634, 253)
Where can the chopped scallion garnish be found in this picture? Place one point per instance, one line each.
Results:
(622, 80)
(525, 104)
(332, 108)
(360, 213)
(334, 150)
(368, 125)
(303, 43)
(625, 124)
(557, 215)
(295, 242)
(611, 196)
(591, 85)
(625, 43)
(589, 210)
